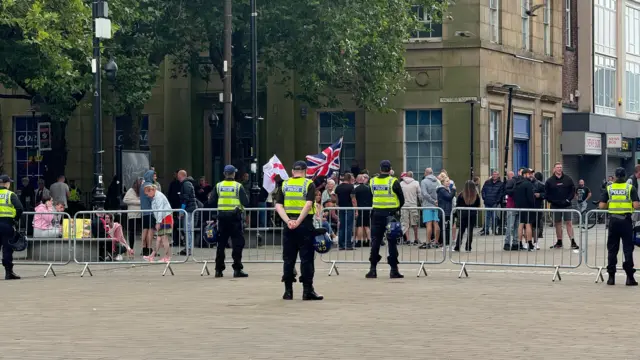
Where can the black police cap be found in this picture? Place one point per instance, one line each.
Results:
(621, 173)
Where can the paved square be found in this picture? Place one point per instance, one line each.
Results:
(135, 313)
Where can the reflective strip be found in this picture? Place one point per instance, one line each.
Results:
(295, 201)
(620, 203)
(381, 197)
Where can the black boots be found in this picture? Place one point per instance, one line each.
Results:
(631, 281)
(240, 274)
(288, 291)
(393, 274)
(219, 274)
(308, 293)
(10, 275)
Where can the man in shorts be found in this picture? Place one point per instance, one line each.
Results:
(559, 191)
(410, 218)
(430, 218)
(362, 197)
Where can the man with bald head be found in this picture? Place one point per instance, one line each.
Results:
(188, 203)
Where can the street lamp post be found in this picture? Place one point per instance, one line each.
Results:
(509, 87)
(255, 188)
(102, 30)
(471, 154)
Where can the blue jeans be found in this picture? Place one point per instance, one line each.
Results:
(325, 225)
(490, 219)
(262, 215)
(513, 221)
(346, 228)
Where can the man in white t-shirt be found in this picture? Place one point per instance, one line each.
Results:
(60, 191)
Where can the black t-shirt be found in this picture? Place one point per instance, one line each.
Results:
(604, 197)
(343, 192)
(582, 193)
(311, 195)
(363, 195)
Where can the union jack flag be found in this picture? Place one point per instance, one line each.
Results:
(326, 162)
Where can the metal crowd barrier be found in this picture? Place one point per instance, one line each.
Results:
(45, 243)
(500, 245)
(262, 230)
(351, 231)
(595, 244)
(95, 244)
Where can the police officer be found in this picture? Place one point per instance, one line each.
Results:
(387, 201)
(10, 210)
(295, 206)
(230, 199)
(620, 198)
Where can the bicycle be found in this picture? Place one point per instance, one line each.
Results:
(591, 221)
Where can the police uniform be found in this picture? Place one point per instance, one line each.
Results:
(387, 201)
(10, 210)
(620, 198)
(295, 193)
(230, 198)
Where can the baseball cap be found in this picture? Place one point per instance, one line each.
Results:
(527, 170)
(300, 165)
(385, 164)
(403, 174)
(5, 179)
(230, 169)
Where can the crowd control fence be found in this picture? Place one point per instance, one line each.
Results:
(351, 228)
(504, 239)
(108, 237)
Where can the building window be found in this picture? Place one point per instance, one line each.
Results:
(143, 143)
(494, 20)
(28, 158)
(526, 25)
(494, 139)
(428, 28)
(605, 84)
(633, 87)
(605, 27)
(423, 140)
(334, 125)
(567, 10)
(632, 29)
(546, 20)
(546, 147)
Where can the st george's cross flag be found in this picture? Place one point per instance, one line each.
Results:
(325, 163)
(270, 170)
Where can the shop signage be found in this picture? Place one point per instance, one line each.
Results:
(592, 144)
(625, 145)
(44, 136)
(614, 141)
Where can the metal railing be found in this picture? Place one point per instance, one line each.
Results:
(596, 242)
(262, 236)
(501, 243)
(351, 228)
(48, 243)
(107, 237)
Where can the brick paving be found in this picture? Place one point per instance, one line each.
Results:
(135, 313)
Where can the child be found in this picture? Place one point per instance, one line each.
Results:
(164, 221)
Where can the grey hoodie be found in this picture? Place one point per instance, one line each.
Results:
(411, 191)
(429, 186)
(145, 202)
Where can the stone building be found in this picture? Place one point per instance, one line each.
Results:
(486, 44)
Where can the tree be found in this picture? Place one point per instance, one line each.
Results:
(330, 46)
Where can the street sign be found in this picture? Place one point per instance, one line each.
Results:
(614, 141)
(458, 99)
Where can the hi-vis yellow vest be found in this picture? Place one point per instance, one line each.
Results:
(295, 195)
(228, 195)
(74, 195)
(620, 198)
(7, 210)
(383, 195)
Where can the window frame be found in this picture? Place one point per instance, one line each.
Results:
(495, 123)
(632, 90)
(604, 62)
(418, 141)
(345, 162)
(546, 144)
(494, 20)
(632, 26)
(526, 25)
(429, 26)
(547, 24)
(568, 32)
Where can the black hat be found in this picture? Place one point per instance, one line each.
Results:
(5, 179)
(385, 164)
(621, 173)
(300, 165)
(527, 170)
